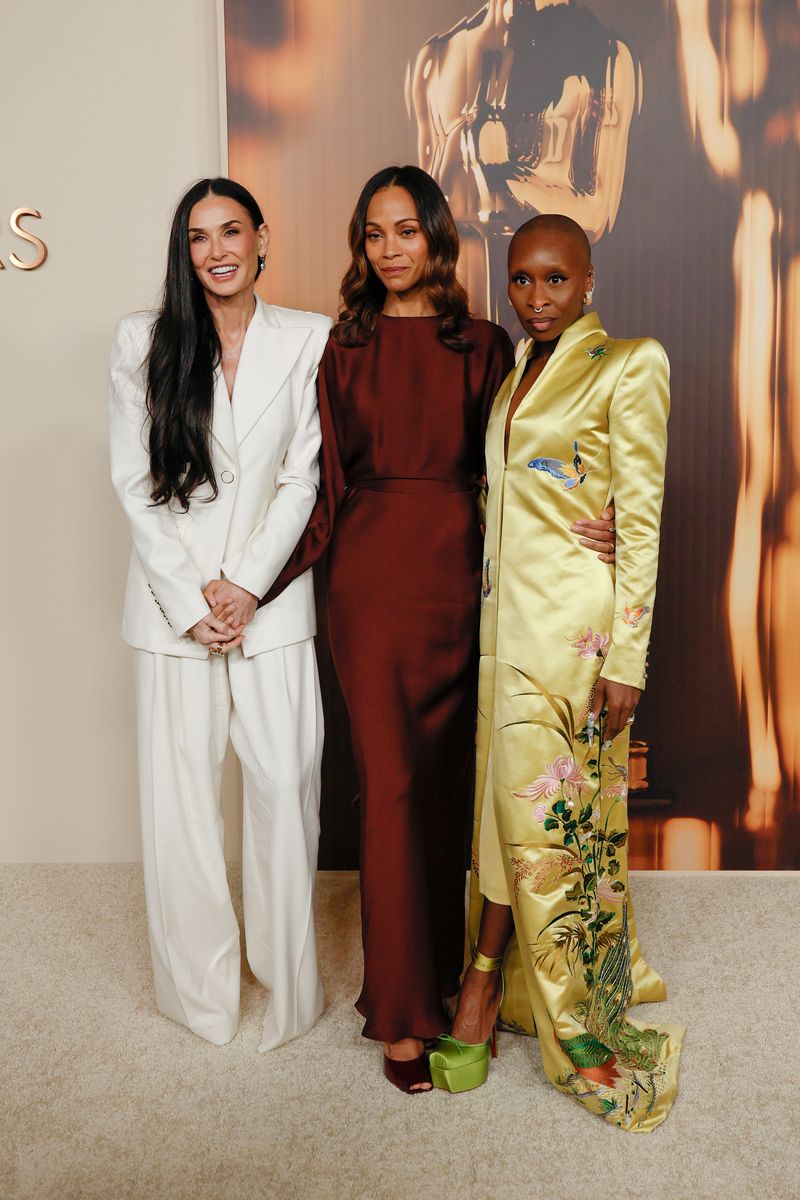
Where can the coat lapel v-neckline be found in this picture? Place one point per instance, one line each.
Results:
(269, 351)
(585, 327)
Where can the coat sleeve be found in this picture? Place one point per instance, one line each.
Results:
(174, 579)
(297, 481)
(317, 534)
(638, 444)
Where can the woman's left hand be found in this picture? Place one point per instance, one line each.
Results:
(620, 700)
(237, 605)
(598, 535)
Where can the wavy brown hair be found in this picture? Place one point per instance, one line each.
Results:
(362, 292)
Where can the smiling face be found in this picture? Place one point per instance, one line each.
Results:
(224, 246)
(395, 243)
(548, 274)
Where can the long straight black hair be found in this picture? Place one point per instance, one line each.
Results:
(184, 354)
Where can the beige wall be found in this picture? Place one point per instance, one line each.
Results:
(108, 110)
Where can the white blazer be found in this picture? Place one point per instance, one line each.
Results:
(264, 446)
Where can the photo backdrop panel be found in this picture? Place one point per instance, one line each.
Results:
(671, 133)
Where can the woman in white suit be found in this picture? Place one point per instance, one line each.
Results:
(214, 446)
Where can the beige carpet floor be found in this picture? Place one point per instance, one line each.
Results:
(102, 1097)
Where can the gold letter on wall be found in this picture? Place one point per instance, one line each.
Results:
(16, 228)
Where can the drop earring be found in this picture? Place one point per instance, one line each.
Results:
(262, 262)
(587, 296)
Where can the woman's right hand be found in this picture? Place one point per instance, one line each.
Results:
(211, 631)
(599, 535)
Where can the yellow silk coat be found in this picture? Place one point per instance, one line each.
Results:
(554, 617)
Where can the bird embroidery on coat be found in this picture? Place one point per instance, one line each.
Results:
(573, 474)
(633, 615)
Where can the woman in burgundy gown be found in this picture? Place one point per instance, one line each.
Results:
(405, 388)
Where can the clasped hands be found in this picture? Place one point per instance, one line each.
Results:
(232, 608)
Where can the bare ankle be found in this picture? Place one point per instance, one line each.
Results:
(404, 1049)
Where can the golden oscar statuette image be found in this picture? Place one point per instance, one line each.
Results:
(523, 107)
(16, 228)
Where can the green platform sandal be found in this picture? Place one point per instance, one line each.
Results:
(461, 1066)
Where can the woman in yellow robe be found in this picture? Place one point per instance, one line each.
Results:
(564, 636)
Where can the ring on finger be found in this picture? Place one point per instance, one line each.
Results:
(216, 649)
(630, 719)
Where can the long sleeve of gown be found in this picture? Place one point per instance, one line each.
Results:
(317, 534)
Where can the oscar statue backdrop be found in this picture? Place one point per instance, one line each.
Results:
(671, 132)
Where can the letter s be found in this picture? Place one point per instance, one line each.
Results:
(16, 228)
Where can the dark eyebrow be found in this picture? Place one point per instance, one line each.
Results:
(403, 221)
(224, 225)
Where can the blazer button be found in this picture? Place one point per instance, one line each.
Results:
(227, 476)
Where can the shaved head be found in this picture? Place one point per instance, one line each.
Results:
(556, 223)
(550, 276)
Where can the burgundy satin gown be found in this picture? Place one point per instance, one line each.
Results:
(403, 421)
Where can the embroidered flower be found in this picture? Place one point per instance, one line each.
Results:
(618, 785)
(540, 812)
(610, 891)
(590, 644)
(562, 772)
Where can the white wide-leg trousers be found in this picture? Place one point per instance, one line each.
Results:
(270, 707)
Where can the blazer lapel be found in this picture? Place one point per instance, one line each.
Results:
(222, 421)
(269, 352)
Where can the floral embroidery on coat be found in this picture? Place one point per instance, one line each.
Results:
(611, 1066)
(616, 1068)
(562, 774)
(590, 644)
